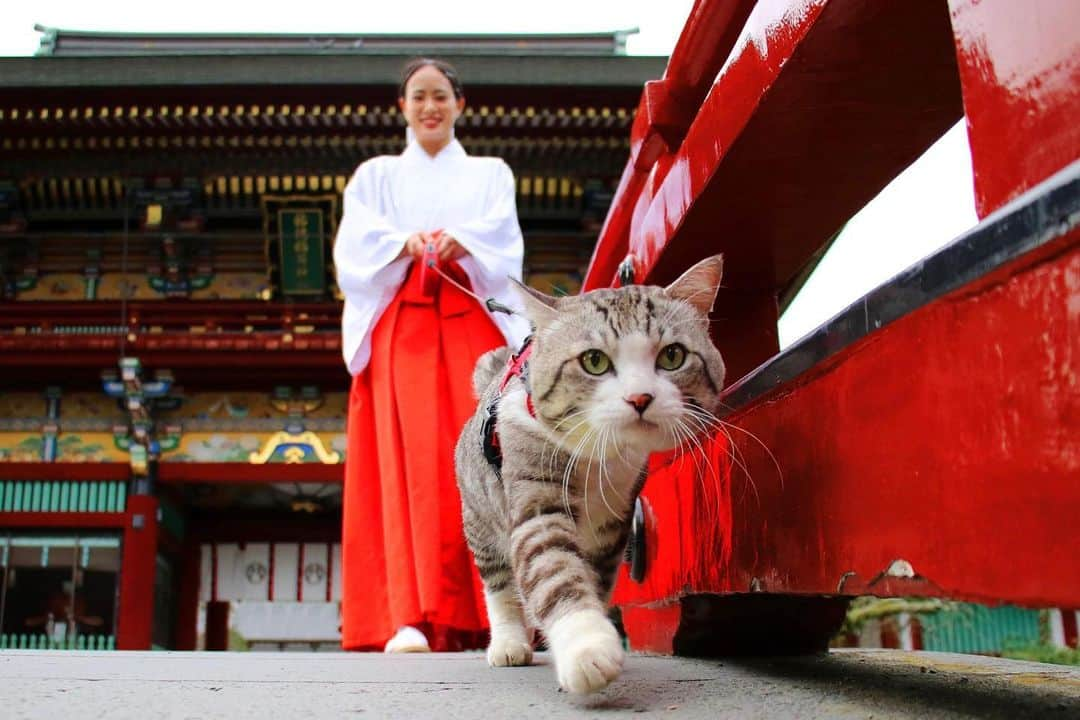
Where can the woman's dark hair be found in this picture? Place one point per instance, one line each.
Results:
(441, 65)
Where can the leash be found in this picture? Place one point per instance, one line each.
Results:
(518, 365)
(430, 262)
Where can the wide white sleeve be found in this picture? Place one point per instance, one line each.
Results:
(496, 249)
(366, 261)
(494, 238)
(367, 243)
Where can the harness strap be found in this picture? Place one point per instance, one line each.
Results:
(518, 366)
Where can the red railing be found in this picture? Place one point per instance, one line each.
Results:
(926, 443)
(664, 114)
(174, 333)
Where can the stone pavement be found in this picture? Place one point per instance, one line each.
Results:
(842, 684)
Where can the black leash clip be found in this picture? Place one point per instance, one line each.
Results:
(490, 438)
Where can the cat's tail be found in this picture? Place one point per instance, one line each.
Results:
(489, 366)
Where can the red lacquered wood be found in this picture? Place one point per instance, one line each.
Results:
(895, 450)
(73, 471)
(652, 628)
(1020, 69)
(140, 546)
(937, 456)
(187, 593)
(249, 474)
(58, 520)
(758, 175)
(223, 341)
(664, 113)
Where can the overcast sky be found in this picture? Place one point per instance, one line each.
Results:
(921, 211)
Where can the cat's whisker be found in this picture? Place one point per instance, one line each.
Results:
(695, 450)
(738, 459)
(755, 438)
(683, 448)
(548, 463)
(725, 406)
(735, 456)
(682, 444)
(571, 467)
(585, 491)
(706, 419)
(563, 419)
(572, 460)
(567, 473)
(618, 450)
(604, 441)
(600, 474)
(701, 464)
(701, 412)
(714, 473)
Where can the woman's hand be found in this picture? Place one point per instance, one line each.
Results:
(414, 245)
(448, 248)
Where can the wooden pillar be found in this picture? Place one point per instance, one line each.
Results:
(217, 625)
(744, 328)
(1069, 626)
(136, 621)
(187, 610)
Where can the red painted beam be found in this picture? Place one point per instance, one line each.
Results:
(760, 176)
(74, 471)
(896, 450)
(612, 244)
(172, 313)
(173, 472)
(249, 474)
(175, 335)
(1020, 69)
(804, 85)
(664, 114)
(195, 371)
(936, 456)
(840, 78)
(237, 526)
(179, 349)
(72, 520)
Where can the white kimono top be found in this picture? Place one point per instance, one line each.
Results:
(393, 196)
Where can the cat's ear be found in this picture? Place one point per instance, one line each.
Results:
(539, 308)
(699, 284)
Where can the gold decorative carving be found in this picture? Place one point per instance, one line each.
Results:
(294, 455)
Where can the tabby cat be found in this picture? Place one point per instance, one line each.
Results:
(613, 376)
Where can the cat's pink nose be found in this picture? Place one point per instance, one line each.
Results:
(640, 402)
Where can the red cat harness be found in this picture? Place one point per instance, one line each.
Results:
(518, 367)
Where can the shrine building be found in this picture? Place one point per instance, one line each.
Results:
(172, 392)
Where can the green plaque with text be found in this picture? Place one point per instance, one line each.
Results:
(303, 265)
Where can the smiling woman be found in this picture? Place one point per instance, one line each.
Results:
(431, 98)
(409, 583)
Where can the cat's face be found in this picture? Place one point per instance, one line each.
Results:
(628, 367)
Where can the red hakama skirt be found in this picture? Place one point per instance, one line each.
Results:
(404, 557)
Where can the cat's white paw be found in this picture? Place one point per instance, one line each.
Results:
(588, 652)
(509, 651)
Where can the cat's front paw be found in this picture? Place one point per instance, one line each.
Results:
(588, 652)
(509, 651)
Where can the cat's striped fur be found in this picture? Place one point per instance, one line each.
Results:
(548, 532)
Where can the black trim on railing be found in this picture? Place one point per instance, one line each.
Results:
(1037, 217)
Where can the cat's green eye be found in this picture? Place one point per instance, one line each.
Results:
(595, 362)
(671, 357)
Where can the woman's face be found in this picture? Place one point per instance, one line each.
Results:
(430, 107)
